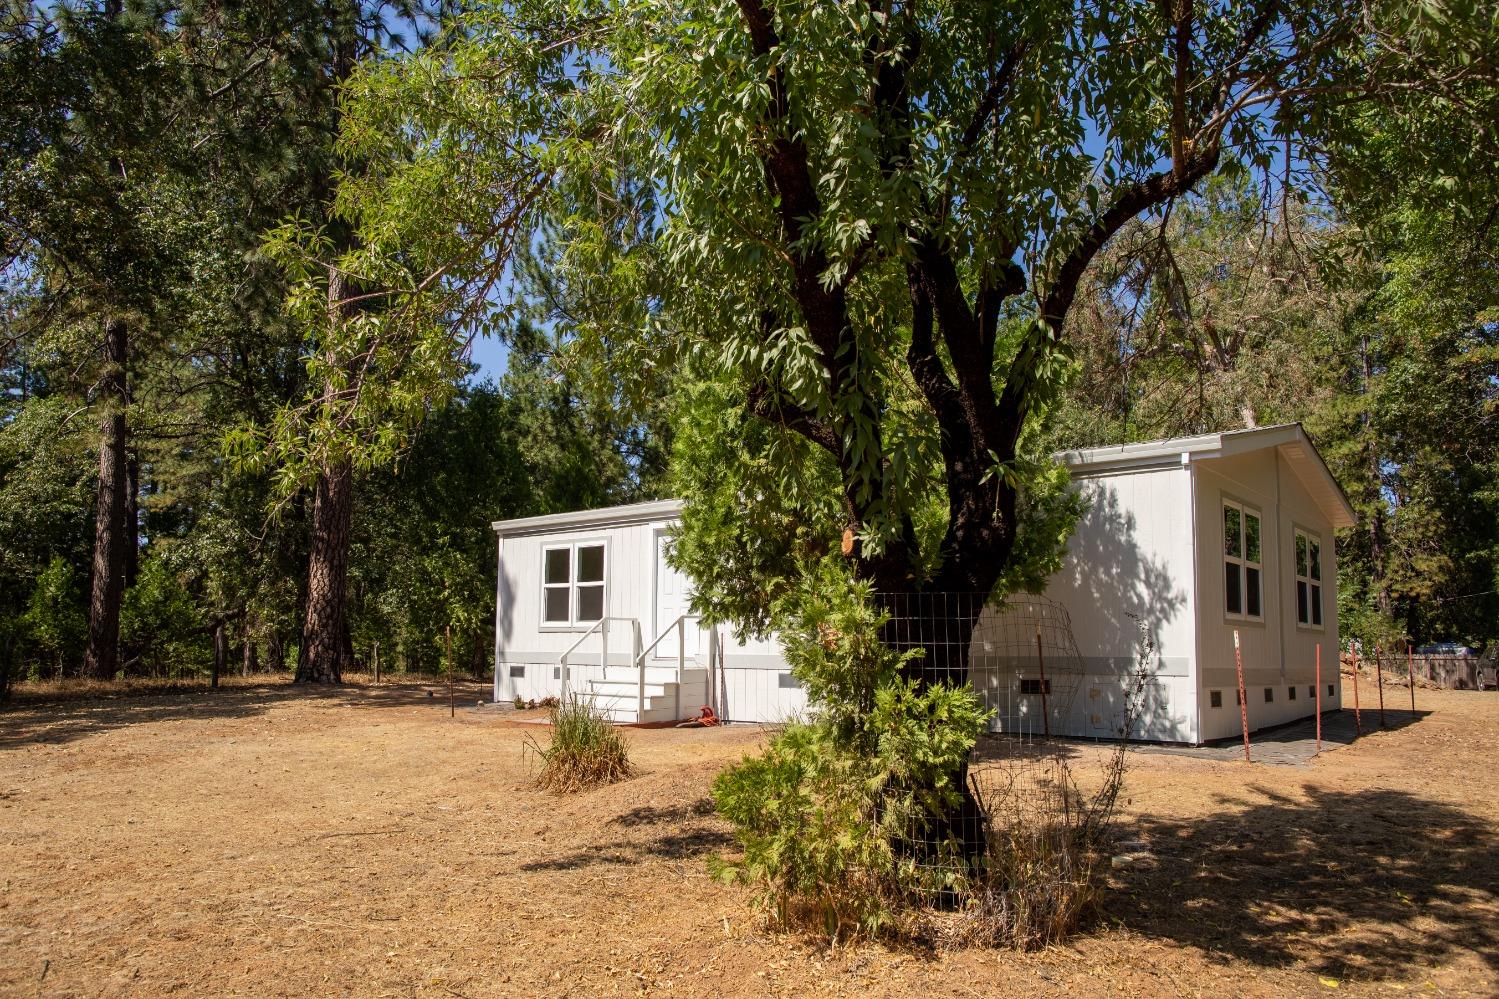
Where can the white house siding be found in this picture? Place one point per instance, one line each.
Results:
(1277, 653)
(1148, 549)
(527, 652)
(1130, 560)
(1298, 509)
(751, 684)
(755, 684)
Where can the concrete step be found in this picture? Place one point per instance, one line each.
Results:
(628, 716)
(630, 688)
(620, 703)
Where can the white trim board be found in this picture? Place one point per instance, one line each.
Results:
(609, 516)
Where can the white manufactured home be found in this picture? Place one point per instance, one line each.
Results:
(1200, 539)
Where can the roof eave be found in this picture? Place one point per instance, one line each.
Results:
(611, 516)
(1186, 450)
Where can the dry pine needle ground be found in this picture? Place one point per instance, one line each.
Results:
(360, 842)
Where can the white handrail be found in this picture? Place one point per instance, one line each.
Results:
(680, 627)
(665, 631)
(602, 627)
(638, 655)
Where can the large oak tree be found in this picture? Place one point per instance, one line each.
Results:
(869, 220)
(865, 222)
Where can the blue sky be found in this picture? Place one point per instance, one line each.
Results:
(491, 355)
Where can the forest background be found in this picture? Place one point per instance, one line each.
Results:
(170, 501)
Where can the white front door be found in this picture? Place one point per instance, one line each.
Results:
(673, 598)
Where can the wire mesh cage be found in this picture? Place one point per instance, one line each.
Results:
(1026, 667)
(1023, 803)
(1019, 655)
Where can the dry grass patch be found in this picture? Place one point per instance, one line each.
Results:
(585, 750)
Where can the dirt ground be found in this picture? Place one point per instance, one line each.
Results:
(264, 841)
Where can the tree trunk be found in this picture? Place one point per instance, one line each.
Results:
(325, 639)
(130, 653)
(7, 655)
(321, 656)
(275, 653)
(1381, 591)
(102, 656)
(941, 626)
(251, 662)
(476, 661)
(326, 648)
(220, 651)
(132, 519)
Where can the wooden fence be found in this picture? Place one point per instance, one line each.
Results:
(1452, 672)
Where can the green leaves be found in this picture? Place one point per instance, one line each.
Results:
(828, 815)
(759, 504)
(774, 198)
(54, 623)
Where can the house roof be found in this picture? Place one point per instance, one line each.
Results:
(609, 516)
(1290, 439)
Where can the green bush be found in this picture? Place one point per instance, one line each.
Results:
(805, 815)
(160, 622)
(833, 817)
(54, 623)
(847, 822)
(831, 837)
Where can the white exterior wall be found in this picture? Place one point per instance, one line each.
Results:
(752, 683)
(521, 639)
(1148, 547)
(1278, 653)
(1133, 553)
(755, 683)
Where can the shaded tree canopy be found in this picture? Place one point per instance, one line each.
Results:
(866, 224)
(147, 150)
(869, 261)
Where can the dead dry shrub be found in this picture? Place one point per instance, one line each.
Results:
(1046, 868)
(1049, 846)
(585, 750)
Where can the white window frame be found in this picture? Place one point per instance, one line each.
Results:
(1241, 560)
(572, 585)
(1319, 581)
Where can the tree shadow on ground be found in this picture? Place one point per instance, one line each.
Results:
(652, 815)
(1367, 884)
(678, 832)
(56, 723)
(998, 748)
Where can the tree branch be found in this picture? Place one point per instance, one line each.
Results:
(1182, 44)
(989, 102)
(1135, 199)
(772, 407)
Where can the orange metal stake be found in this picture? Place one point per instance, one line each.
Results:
(1358, 718)
(1379, 682)
(1045, 706)
(1319, 697)
(1410, 669)
(1243, 700)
